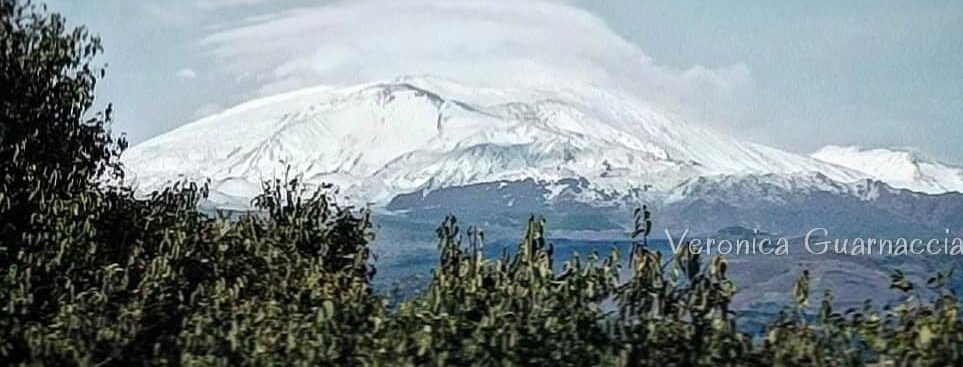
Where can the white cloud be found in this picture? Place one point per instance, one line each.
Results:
(166, 14)
(215, 4)
(533, 44)
(189, 12)
(186, 73)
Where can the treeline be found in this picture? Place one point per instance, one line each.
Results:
(92, 275)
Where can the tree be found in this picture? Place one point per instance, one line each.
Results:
(50, 142)
(92, 274)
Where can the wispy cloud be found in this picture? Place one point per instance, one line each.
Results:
(185, 12)
(216, 4)
(165, 13)
(186, 73)
(535, 44)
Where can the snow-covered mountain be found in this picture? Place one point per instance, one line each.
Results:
(417, 134)
(898, 168)
(422, 147)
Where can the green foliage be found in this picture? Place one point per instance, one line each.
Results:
(92, 275)
(48, 83)
(511, 310)
(109, 278)
(680, 316)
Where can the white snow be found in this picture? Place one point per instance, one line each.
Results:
(898, 168)
(415, 133)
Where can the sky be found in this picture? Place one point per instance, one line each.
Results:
(794, 75)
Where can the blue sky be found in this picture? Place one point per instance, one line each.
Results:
(795, 75)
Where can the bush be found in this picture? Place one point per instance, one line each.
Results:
(93, 275)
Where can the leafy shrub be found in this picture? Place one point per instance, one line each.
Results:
(513, 310)
(93, 275)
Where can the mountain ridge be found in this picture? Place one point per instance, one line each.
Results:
(900, 168)
(416, 133)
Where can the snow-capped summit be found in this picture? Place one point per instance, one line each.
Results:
(898, 168)
(422, 133)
